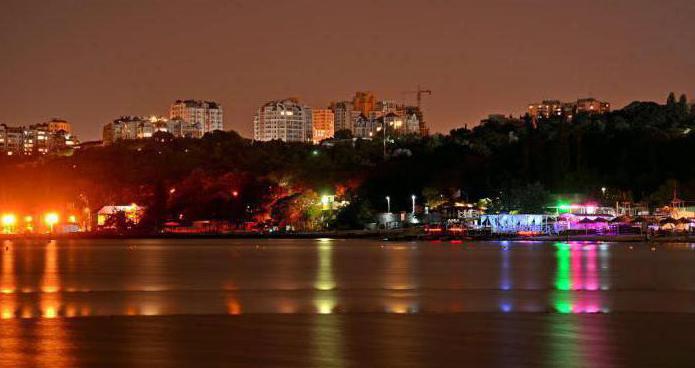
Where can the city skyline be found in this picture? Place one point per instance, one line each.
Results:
(134, 62)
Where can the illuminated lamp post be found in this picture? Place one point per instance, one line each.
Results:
(388, 204)
(413, 198)
(8, 222)
(51, 219)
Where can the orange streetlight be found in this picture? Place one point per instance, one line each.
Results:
(51, 219)
(9, 220)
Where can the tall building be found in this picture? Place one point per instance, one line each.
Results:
(286, 120)
(323, 124)
(344, 115)
(138, 127)
(206, 113)
(364, 102)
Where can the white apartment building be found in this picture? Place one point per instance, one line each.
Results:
(286, 120)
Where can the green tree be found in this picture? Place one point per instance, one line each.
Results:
(343, 134)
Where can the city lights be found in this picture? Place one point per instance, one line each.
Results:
(8, 222)
(51, 219)
(9, 219)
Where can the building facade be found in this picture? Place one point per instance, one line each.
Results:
(364, 127)
(38, 139)
(138, 127)
(323, 124)
(286, 120)
(556, 108)
(344, 115)
(208, 114)
(364, 102)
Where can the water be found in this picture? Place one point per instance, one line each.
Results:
(345, 303)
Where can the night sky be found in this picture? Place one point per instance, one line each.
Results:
(92, 61)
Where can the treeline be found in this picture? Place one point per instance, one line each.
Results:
(638, 153)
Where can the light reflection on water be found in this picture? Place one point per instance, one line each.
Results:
(46, 286)
(77, 279)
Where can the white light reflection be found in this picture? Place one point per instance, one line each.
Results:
(325, 300)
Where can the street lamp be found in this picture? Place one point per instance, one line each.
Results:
(388, 204)
(413, 198)
(51, 219)
(603, 190)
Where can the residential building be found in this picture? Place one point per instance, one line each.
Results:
(412, 123)
(364, 102)
(41, 138)
(286, 120)
(11, 140)
(567, 110)
(55, 125)
(138, 127)
(592, 106)
(546, 109)
(344, 115)
(322, 121)
(208, 114)
(364, 127)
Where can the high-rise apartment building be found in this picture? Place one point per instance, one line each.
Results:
(286, 120)
(322, 121)
(344, 115)
(364, 102)
(208, 114)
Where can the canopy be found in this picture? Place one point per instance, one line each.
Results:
(668, 220)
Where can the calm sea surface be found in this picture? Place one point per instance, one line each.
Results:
(345, 303)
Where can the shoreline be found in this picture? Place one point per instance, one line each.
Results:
(388, 235)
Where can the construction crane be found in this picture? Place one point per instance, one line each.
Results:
(419, 93)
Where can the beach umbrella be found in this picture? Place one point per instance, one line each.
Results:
(620, 219)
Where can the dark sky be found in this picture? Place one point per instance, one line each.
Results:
(91, 61)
